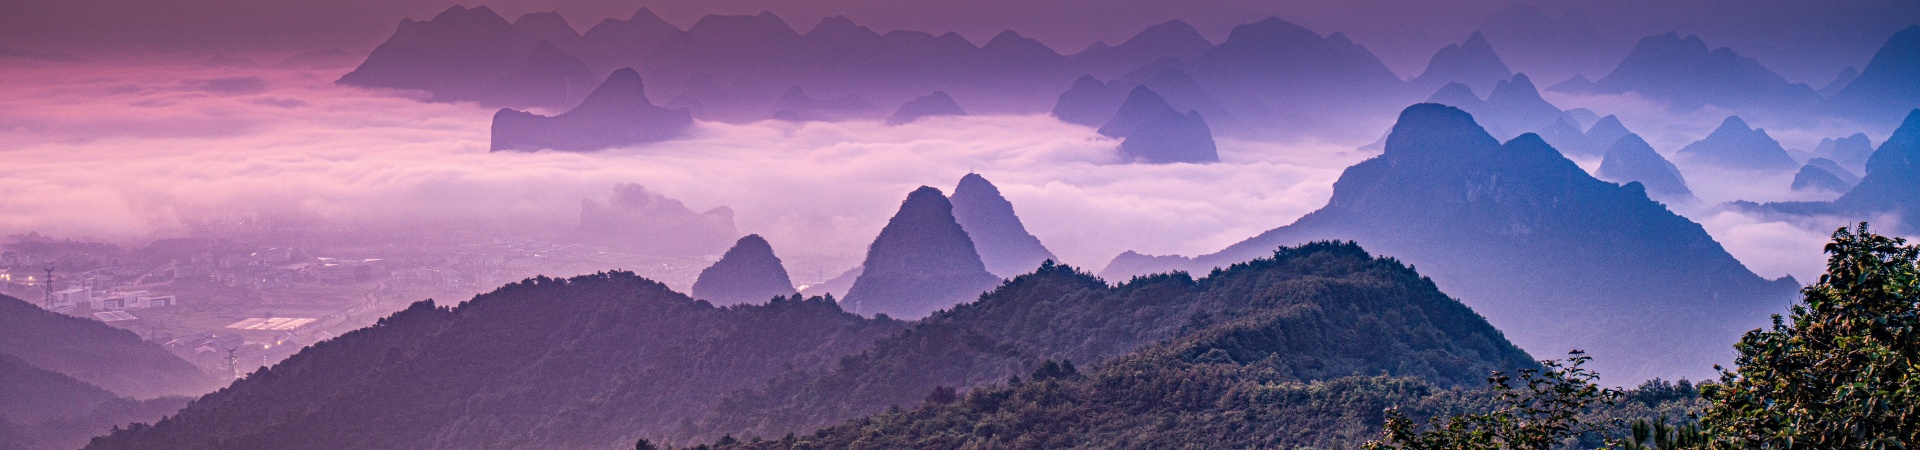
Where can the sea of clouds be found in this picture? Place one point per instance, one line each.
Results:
(128, 150)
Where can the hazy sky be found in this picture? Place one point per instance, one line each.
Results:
(1806, 40)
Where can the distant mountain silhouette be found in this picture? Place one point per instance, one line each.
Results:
(1851, 151)
(1092, 102)
(1171, 39)
(1834, 168)
(1811, 177)
(1472, 63)
(615, 114)
(1846, 77)
(1734, 145)
(930, 105)
(1154, 132)
(550, 77)
(1557, 259)
(551, 27)
(1269, 78)
(586, 362)
(1278, 77)
(639, 220)
(1889, 86)
(1512, 108)
(1893, 176)
(96, 354)
(623, 43)
(1551, 48)
(1631, 160)
(1089, 102)
(795, 105)
(1005, 246)
(748, 273)
(465, 55)
(1598, 139)
(1686, 74)
(923, 261)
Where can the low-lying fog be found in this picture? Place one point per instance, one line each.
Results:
(105, 151)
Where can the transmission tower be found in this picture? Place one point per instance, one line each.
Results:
(48, 301)
(233, 363)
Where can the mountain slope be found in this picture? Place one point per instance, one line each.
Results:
(1631, 160)
(1555, 258)
(1472, 63)
(930, 105)
(1315, 312)
(1735, 145)
(1685, 73)
(748, 273)
(1893, 175)
(1005, 246)
(921, 262)
(1889, 86)
(589, 362)
(95, 353)
(617, 113)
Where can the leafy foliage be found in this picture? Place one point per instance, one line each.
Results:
(1540, 410)
(1843, 371)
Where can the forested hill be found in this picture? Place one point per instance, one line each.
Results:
(599, 361)
(95, 353)
(1315, 312)
(587, 362)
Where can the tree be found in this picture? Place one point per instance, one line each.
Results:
(1540, 411)
(1840, 373)
(643, 444)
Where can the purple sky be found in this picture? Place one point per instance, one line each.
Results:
(1806, 41)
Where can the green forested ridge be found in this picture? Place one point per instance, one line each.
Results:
(1315, 312)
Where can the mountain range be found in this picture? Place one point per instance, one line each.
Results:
(1687, 74)
(593, 361)
(1556, 258)
(602, 360)
(1472, 63)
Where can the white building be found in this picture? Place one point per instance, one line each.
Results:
(132, 300)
